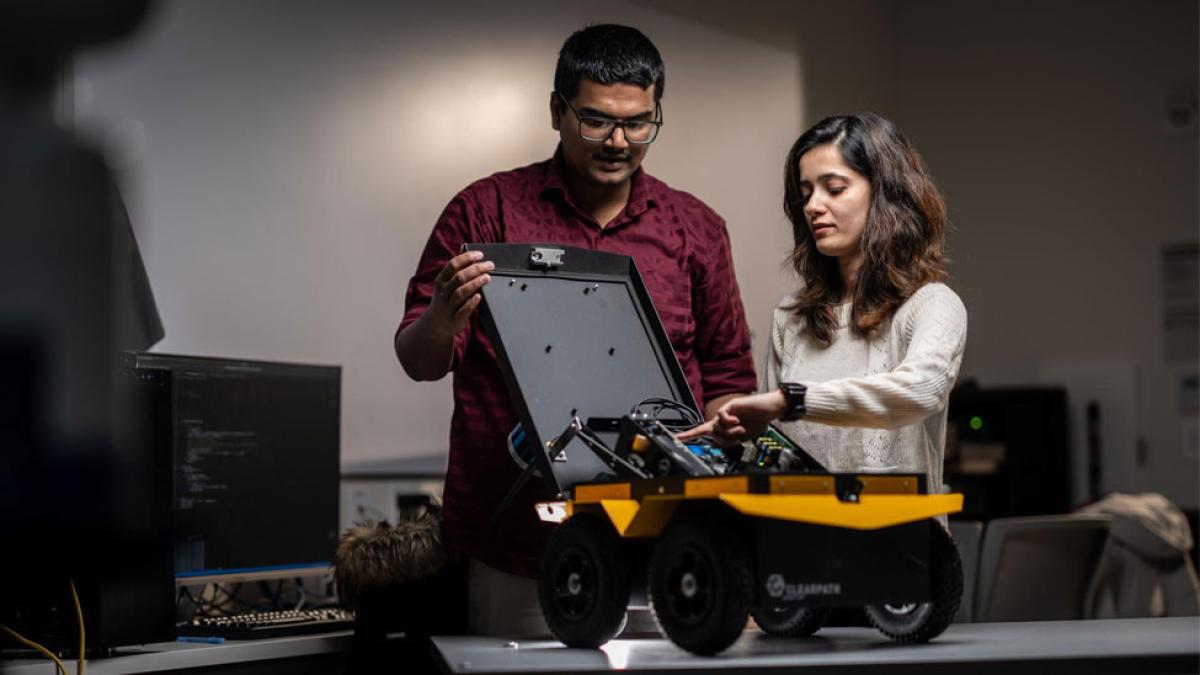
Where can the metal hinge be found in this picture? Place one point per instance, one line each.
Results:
(545, 257)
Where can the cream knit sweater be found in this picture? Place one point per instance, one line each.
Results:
(876, 405)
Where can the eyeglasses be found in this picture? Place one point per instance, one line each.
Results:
(600, 129)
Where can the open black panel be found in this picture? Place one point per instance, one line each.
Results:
(576, 334)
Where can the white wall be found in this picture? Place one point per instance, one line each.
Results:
(284, 163)
(1046, 126)
(292, 156)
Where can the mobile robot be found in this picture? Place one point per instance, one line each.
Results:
(706, 537)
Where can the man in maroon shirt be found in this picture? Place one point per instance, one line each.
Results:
(593, 194)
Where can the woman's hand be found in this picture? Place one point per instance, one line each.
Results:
(741, 418)
(705, 429)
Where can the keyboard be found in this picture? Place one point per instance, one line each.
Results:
(254, 625)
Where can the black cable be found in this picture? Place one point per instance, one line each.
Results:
(234, 596)
(272, 596)
(219, 606)
(204, 607)
(179, 598)
(302, 595)
(685, 418)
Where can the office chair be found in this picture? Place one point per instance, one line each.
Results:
(1039, 568)
(968, 536)
(1146, 570)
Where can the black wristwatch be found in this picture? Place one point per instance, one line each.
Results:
(794, 395)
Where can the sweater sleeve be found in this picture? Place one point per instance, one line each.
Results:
(917, 388)
(772, 364)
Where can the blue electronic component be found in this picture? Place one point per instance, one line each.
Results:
(518, 448)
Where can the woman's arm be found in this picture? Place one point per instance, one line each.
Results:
(722, 425)
(918, 387)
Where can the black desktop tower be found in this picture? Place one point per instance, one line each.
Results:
(103, 522)
(1007, 451)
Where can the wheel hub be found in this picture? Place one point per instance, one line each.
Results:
(687, 584)
(575, 583)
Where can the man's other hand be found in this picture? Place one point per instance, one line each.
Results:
(456, 292)
(426, 347)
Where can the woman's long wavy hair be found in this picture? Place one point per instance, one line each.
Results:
(902, 244)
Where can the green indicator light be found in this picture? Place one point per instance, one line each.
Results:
(976, 423)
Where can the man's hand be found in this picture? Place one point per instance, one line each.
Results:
(426, 348)
(741, 418)
(456, 292)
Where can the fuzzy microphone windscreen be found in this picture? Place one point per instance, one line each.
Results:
(376, 558)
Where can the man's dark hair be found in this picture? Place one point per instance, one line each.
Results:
(609, 54)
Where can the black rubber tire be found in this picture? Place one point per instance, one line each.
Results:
(701, 586)
(790, 621)
(583, 583)
(925, 621)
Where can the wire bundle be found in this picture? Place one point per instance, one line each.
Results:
(58, 664)
(685, 417)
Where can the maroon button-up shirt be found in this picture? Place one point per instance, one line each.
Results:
(681, 248)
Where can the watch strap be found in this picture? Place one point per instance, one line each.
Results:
(793, 393)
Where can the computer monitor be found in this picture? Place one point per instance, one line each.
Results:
(255, 448)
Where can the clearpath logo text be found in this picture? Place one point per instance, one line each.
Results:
(778, 588)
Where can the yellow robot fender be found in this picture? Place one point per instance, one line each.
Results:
(870, 512)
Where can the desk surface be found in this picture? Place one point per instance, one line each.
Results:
(168, 656)
(1110, 646)
(1059, 647)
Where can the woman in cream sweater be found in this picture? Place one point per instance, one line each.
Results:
(864, 354)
